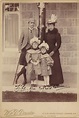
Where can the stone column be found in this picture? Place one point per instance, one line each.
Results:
(42, 20)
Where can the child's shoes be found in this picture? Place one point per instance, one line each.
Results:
(47, 87)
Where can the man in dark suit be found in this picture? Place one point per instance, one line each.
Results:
(24, 45)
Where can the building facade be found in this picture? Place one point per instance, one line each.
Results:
(15, 18)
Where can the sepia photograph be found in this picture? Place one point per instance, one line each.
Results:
(40, 52)
(39, 45)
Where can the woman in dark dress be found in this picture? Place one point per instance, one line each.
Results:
(53, 39)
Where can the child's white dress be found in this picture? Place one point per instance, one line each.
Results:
(46, 63)
(33, 64)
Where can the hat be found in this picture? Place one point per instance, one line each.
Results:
(44, 45)
(34, 39)
(49, 21)
(31, 20)
(53, 19)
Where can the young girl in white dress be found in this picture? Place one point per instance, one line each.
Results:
(33, 62)
(46, 63)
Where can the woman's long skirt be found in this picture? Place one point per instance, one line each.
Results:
(57, 76)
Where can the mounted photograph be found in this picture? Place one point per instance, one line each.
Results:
(39, 51)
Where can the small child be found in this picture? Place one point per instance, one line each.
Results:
(33, 61)
(46, 63)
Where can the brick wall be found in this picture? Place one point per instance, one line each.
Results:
(68, 20)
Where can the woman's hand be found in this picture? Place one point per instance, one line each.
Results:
(51, 54)
(35, 62)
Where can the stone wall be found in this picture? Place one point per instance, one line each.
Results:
(27, 11)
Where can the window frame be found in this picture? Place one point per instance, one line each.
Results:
(5, 49)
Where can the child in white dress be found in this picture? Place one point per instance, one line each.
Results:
(46, 63)
(33, 62)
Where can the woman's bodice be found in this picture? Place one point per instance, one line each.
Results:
(53, 39)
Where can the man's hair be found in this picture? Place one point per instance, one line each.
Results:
(31, 20)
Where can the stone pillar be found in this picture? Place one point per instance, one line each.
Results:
(42, 17)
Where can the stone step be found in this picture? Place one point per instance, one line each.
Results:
(70, 79)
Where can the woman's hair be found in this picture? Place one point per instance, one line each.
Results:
(52, 23)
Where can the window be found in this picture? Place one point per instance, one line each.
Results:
(11, 25)
(11, 7)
